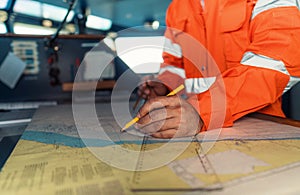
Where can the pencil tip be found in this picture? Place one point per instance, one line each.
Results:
(123, 130)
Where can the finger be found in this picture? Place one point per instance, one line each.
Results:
(167, 134)
(158, 103)
(154, 83)
(143, 83)
(139, 92)
(147, 91)
(144, 96)
(157, 126)
(144, 92)
(157, 115)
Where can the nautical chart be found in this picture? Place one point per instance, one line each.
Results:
(51, 158)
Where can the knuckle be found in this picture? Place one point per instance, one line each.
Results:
(158, 125)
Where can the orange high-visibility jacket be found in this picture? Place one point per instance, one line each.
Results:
(253, 55)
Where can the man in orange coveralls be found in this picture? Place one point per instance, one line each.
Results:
(255, 46)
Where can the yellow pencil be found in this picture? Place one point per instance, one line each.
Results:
(136, 119)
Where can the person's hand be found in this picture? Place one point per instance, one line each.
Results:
(151, 87)
(167, 117)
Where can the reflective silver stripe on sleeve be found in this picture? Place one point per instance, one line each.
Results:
(264, 5)
(179, 71)
(252, 59)
(293, 81)
(172, 48)
(198, 85)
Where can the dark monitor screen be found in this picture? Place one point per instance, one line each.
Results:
(35, 82)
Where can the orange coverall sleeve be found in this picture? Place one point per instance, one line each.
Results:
(274, 33)
(170, 60)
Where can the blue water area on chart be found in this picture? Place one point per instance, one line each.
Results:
(78, 142)
(60, 139)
